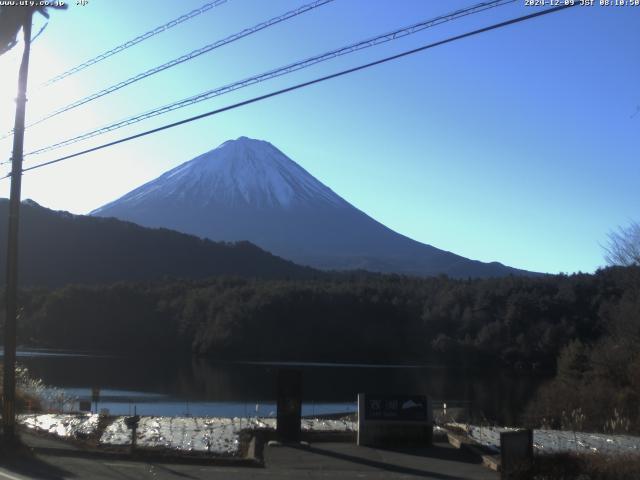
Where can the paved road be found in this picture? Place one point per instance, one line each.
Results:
(55, 461)
(347, 461)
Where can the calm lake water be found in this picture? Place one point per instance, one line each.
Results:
(191, 386)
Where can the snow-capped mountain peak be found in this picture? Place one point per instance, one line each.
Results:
(241, 172)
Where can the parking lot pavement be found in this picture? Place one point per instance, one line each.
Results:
(55, 460)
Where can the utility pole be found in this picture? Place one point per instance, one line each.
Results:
(11, 297)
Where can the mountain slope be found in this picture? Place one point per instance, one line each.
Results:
(58, 248)
(249, 190)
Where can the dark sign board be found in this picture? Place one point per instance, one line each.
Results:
(85, 406)
(404, 408)
(132, 422)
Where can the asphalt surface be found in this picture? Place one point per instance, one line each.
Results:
(54, 460)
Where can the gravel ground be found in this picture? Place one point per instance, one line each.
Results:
(561, 441)
(219, 436)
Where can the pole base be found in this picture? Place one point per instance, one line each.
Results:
(10, 440)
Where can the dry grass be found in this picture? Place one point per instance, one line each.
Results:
(573, 466)
(27, 389)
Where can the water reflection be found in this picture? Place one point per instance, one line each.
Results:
(196, 386)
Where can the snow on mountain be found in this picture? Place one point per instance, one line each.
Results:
(239, 172)
(249, 190)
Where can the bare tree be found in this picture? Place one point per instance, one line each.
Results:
(623, 246)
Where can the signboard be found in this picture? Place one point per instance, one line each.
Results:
(391, 420)
(132, 424)
(85, 406)
(396, 407)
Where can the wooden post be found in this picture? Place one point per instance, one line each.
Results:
(11, 298)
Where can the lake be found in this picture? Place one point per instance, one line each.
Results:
(195, 386)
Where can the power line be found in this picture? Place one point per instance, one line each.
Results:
(370, 42)
(184, 58)
(302, 85)
(130, 43)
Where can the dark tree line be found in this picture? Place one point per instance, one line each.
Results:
(516, 321)
(586, 325)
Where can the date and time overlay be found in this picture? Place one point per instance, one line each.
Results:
(582, 3)
(526, 3)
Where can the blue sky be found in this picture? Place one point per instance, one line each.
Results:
(517, 145)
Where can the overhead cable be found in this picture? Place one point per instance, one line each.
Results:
(183, 58)
(370, 42)
(300, 85)
(134, 41)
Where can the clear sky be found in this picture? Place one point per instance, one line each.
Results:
(518, 145)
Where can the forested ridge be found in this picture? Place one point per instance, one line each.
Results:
(586, 325)
(59, 248)
(516, 321)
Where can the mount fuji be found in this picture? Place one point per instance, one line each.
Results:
(247, 189)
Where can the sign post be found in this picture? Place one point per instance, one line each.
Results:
(132, 424)
(95, 397)
(289, 405)
(516, 453)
